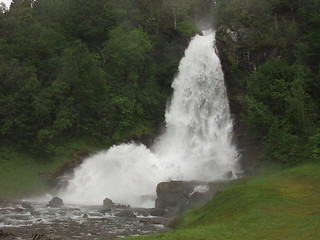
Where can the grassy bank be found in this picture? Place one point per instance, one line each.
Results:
(282, 205)
(23, 174)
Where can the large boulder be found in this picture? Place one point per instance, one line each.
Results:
(173, 194)
(56, 202)
(174, 197)
(108, 203)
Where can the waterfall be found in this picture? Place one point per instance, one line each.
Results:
(197, 143)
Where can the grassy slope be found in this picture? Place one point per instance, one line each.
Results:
(283, 205)
(19, 172)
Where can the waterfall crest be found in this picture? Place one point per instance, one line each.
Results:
(197, 143)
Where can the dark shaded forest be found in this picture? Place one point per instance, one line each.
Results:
(92, 69)
(102, 70)
(271, 53)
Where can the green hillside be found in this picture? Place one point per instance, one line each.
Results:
(281, 205)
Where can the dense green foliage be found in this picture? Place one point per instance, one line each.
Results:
(281, 40)
(281, 205)
(78, 68)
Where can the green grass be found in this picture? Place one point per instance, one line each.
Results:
(20, 173)
(282, 205)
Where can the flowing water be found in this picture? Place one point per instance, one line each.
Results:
(197, 143)
(21, 221)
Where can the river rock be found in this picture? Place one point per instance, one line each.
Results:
(105, 210)
(27, 205)
(35, 213)
(108, 203)
(4, 234)
(18, 210)
(56, 202)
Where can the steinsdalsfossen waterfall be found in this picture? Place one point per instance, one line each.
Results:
(196, 145)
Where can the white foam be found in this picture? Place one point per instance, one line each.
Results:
(195, 146)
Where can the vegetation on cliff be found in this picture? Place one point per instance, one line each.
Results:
(98, 69)
(271, 52)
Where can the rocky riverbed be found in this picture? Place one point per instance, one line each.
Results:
(53, 220)
(36, 220)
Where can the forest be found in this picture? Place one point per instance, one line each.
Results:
(102, 70)
(277, 66)
(79, 76)
(92, 69)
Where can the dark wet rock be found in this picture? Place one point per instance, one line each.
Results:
(217, 186)
(85, 215)
(74, 209)
(173, 194)
(108, 203)
(36, 236)
(173, 211)
(142, 212)
(126, 213)
(4, 234)
(18, 210)
(35, 213)
(228, 175)
(56, 202)
(122, 206)
(10, 203)
(27, 205)
(198, 198)
(177, 196)
(105, 210)
(157, 212)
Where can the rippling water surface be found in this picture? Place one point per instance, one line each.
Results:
(23, 220)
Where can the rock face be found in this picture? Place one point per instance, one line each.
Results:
(176, 196)
(159, 212)
(237, 61)
(56, 202)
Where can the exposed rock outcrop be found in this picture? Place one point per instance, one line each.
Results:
(237, 61)
(176, 196)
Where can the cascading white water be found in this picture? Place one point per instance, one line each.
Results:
(195, 146)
